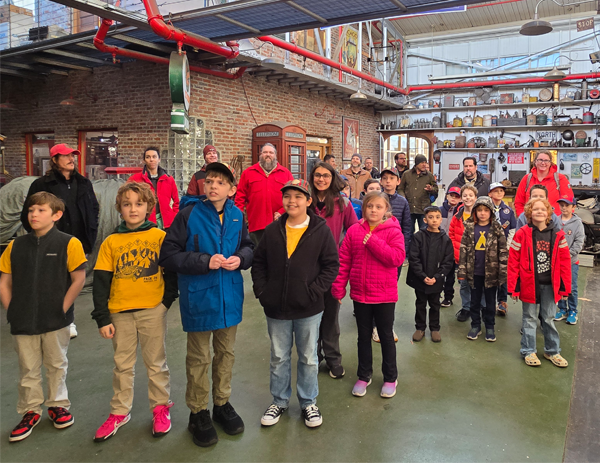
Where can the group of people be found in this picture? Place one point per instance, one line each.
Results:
(304, 243)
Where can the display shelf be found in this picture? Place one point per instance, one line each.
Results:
(506, 128)
(524, 148)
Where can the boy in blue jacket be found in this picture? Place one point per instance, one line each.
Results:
(207, 245)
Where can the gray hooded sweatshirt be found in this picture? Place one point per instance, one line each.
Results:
(575, 235)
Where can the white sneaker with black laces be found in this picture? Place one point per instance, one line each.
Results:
(271, 415)
(312, 416)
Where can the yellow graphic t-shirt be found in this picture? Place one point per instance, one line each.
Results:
(133, 259)
(293, 235)
(75, 257)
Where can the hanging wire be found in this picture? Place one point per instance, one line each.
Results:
(247, 100)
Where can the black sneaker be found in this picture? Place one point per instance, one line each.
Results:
(474, 333)
(272, 415)
(463, 315)
(227, 417)
(312, 416)
(490, 336)
(446, 302)
(61, 417)
(337, 372)
(25, 427)
(202, 429)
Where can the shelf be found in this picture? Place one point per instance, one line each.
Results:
(523, 149)
(498, 128)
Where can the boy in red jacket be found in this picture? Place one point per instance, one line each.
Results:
(539, 272)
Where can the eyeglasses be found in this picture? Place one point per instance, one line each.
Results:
(544, 161)
(324, 176)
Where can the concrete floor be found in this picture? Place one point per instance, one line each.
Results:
(459, 400)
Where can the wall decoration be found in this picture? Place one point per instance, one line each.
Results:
(483, 168)
(569, 157)
(350, 140)
(350, 54)
(516, 158)
(596, 174)
(575, 170)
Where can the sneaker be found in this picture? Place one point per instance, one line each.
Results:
(435, 336)
(375, 335)
(490, 335)
(532, 360)
(474, 333)
(463, 315)
(337, 372)
(272, 415)
(418, 335)
(111, 426)
(560, 315)
(312, 416)
(227, 417)
(572, 318)
(388, 390)
(446, 303)
(502, 309)
(557, 360)
(24, 428)
(201, 426)
(161, 420)
(360, 388)
(395, 335)
(72, 330)
(60, 417)
(405, 263)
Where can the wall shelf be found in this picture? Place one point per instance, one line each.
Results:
(523, 149)
(544, 128)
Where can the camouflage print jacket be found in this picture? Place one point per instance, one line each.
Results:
(496, 255)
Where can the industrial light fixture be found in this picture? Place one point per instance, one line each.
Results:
(409, 106)
(8, 106)
(69, 101)
(273, 63)
(536, 27)
(358, 95)
(335, 121)
(555, 73)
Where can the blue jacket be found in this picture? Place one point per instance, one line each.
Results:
(447, 214)
(209, 299)
(356, 205)
(505, 217)
(401, 210)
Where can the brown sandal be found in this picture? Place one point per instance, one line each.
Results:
(557, 360)
(532, 360)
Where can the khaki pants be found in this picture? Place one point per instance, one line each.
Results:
(49, 349)
(198, 360)
(149, 327)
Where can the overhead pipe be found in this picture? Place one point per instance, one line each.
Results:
(170, 32)
(113, 50)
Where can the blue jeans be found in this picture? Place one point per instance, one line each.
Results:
(503, 293)
(571, 303)
(546, 312)
(282, 334)
(465, 295)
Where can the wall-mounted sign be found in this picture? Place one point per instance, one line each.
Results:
(180, 122)
(585, 24)
(596, 174)
(266, 134)
(179, 83)
(454, 166)
(294, 135)
(516, 158)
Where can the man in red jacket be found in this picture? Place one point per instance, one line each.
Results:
(259, 191)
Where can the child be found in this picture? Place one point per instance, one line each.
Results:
(371, 184)
(131, 299)
(372, 251)
(207, 245)
(347, 192)
(335, 209)
(538, 192)
(294, 266)
(575, 236)
(543, 283)
(42, 274)
(431, 259)
(448, 209)
(506, 218)
(482, 263)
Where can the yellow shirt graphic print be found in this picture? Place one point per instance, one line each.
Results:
(481, 242)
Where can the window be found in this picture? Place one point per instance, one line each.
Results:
(38, 152)
(307, 39)
(100, 149)
(403, 143)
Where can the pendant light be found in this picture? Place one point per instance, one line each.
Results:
(358, 95)
(536, 27)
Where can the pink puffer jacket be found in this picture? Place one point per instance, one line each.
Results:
(372, 268)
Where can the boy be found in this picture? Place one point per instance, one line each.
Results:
(207, 245)
(431, 260)
(42, 274)
(294, 265)
(131, 298)
(538, 192)
(572, 226)
(506, 218)
(371, 184)
(448, 209)
(347, 192)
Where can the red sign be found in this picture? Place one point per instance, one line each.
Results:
(454, 166)
(516, 158)
(585, 24)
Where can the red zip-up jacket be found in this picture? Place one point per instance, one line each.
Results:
(521, 270)
(549, 182)
(167, 191)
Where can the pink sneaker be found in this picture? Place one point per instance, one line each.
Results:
(161, 423)
(111, 426)
(389, 390)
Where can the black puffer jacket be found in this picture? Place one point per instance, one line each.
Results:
(431, 255)
(482, 184)
(293, 288)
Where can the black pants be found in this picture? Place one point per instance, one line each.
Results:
(328, 346)
(398, 279)
(489, 311)
(256, 236)
(419, 219)
(449, 284)
(434, 311)
(384, 319)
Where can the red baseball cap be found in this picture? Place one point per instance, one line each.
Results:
(63, 149)
(454, 190)
(208, 148)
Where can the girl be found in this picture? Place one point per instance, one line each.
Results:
(539, 271)
(328, 203)
(482, 264)
(373, 249)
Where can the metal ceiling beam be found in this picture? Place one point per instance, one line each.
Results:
(52, 62)
(288, 80)
(276, 77)
(38, 69)
(306, 11)
(104, 10)
(263, 73)
(299, 82)
(22, 74)
(254, 30)
(399, 5)
(70, 54)
(143, 43)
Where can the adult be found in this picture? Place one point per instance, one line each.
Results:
(330, 159)
(80, 218)
(417, 185)
(471, 176)
(545, 173)
(163, 186)
(356, 175)
(371, 169)
(401, 163)
(196, 186)
(259, 191)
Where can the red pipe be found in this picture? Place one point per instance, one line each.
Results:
(100, 45)
(170, 32)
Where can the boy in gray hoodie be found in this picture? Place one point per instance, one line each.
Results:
(575, 235)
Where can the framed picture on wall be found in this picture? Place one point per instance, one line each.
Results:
(350, 137)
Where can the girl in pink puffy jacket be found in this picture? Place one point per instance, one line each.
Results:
(370, 255)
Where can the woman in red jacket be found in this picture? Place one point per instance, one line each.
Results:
(163, 186)
(539, 272)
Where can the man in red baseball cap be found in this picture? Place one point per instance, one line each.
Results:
(81, 206)
(196, 186)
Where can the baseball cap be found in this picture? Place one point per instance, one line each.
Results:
(567, 199)
(298, 184)
(63, 149)
(454, 190)
(390, 171)
(495, 185)
(222, 167)
(207, 148)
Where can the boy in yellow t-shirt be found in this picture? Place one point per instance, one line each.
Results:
(131, 298)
